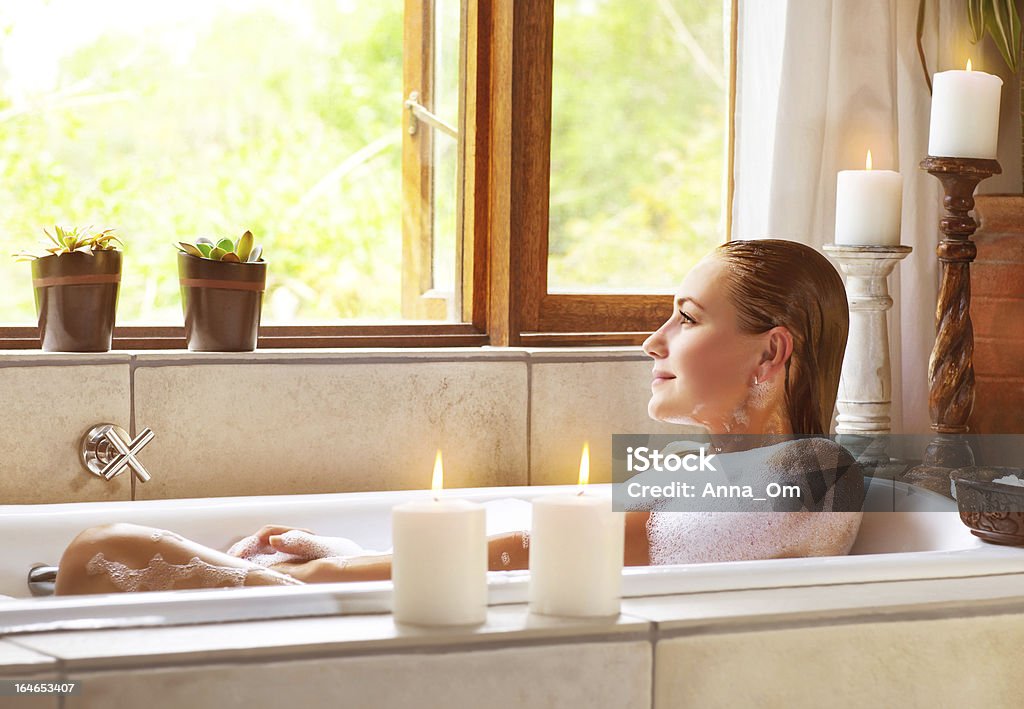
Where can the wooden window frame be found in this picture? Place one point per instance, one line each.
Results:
(523, 311)
(502, 244)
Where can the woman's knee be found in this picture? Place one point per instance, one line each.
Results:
(114, 540)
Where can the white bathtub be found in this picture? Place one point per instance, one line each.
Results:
(921, 538)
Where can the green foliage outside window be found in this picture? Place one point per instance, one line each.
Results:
(285, 119)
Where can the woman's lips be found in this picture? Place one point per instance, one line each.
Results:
(660, 377)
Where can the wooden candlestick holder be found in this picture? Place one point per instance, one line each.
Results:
(951, 367)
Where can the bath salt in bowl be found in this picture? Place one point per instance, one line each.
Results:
(991, 502)
(1010, 480)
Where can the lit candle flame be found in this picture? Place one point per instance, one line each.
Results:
(584, 467)
(969, 65)
(437, 483)
(867, 161)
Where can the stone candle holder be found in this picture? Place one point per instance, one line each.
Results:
(865, 390)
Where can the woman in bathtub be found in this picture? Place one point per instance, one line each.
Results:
(754, 345)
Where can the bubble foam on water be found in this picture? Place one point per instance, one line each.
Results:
(161, 575)
(313, 546)
(685, 537)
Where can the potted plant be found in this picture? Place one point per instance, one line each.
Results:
(222, 286)
(76, 277)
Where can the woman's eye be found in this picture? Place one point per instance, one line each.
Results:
(686, 318)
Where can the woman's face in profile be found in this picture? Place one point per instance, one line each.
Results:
(703, 365)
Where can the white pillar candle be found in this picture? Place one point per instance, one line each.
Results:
(965, 114)
(439, 561)
(576, 553)
(868, 206)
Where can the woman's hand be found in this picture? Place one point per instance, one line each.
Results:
(326, 570)
(332, 569)
(271, 530)
(311, 557)
(279, 543)
(308, 546)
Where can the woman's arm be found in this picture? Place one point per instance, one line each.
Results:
(123, 557)
(505, 552)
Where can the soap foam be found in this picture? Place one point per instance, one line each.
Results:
(302, 547)
(250, 549)
(313, 546)
(683, 537)
(695, 537)
(759, 395)
(160, 575)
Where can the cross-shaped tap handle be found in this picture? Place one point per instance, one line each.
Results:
(107, 450)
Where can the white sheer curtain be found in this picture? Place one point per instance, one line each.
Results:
(819, 82)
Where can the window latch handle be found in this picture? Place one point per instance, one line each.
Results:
(420, 113)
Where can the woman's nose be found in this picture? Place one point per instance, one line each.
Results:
(654, 346)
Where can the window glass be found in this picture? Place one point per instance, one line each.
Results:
(638, 144)
(169, 121)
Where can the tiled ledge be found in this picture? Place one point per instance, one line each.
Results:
(16, 659)
(812, 606)
(271, 640)
(651, 618)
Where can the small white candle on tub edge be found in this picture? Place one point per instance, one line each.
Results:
(576, 553)
(868, 206)
(965, 114)
(439, 561)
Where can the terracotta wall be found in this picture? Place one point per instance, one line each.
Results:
(997, 309)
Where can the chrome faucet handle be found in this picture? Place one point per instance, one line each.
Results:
(107, 450)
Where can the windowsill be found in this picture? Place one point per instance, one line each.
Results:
(26, 357)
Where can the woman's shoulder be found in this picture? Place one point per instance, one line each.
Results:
(828, 471)
(811, 453)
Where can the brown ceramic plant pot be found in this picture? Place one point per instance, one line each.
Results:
(76, 299)
(222, 303)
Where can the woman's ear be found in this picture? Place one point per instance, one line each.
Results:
(778, 351)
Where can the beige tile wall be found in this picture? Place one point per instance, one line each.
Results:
(23, 665)
(553, 676)
(956, 662)
(573, 401)
(262, 429)
(44, 411)
(278, 422)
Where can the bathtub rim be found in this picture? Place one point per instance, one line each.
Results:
(23, 615)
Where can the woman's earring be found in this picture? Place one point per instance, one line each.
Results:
(755, 380)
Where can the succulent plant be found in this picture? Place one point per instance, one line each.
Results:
(241, 251)
(82, 240)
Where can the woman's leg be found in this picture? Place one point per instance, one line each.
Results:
(131, 557)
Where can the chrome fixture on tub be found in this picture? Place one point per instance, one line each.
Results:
(107, 450)
(41, 580)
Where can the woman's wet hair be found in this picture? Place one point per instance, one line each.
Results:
(773, 282)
